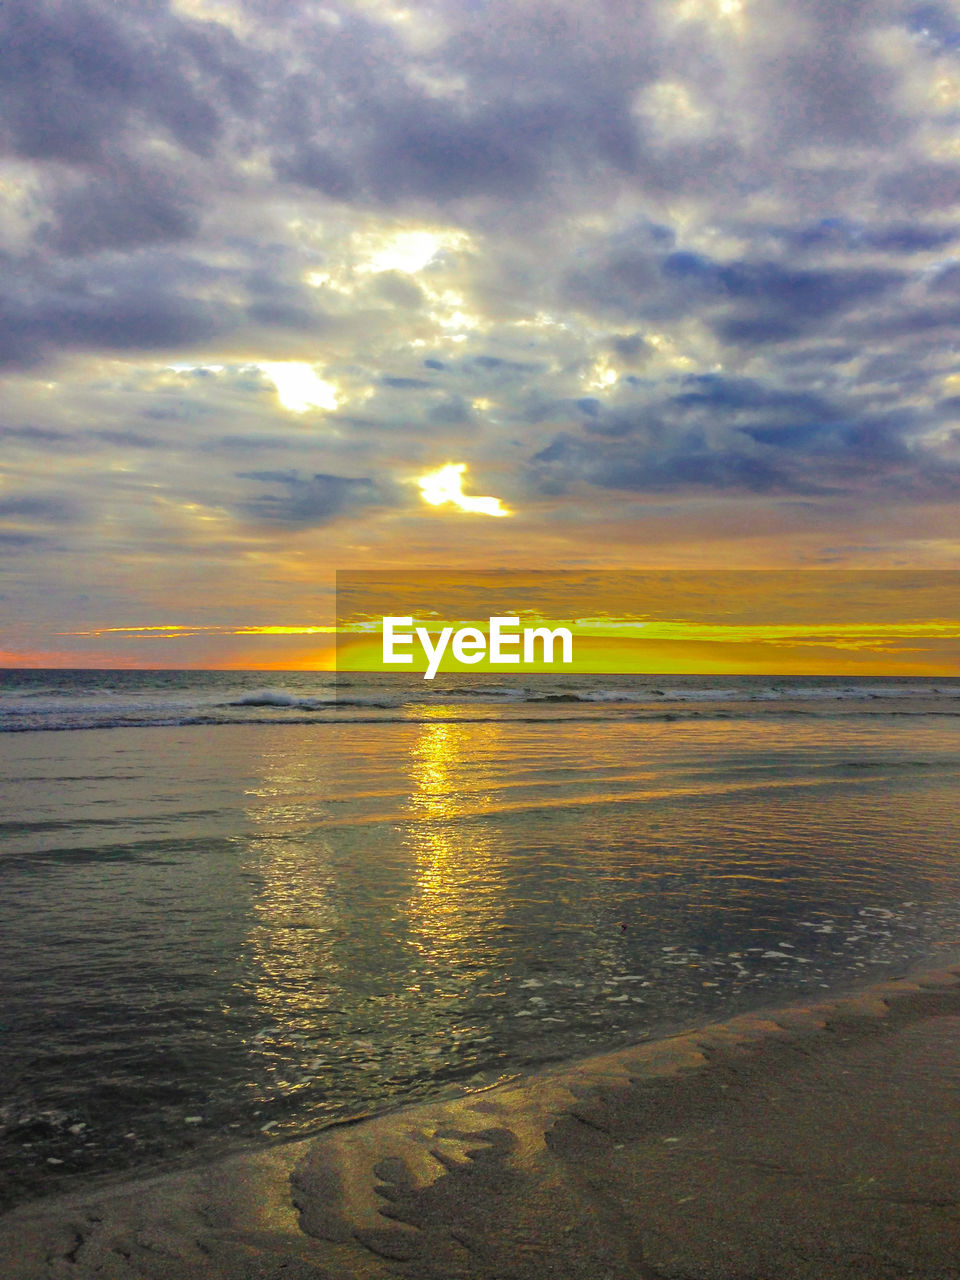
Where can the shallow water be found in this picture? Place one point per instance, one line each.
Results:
(217, 934)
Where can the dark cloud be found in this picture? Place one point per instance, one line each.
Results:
(428, 152)
(744, 301)
(13, 541)
(35, 435)
(142, 303)
(131, 438)
(271, 477)
(121, 211)
(305, 502)
(75, 76)
(842, 235)
(452, 411)
(786, 300)
(625, 270)
(827, 82)
(633, 468)
(75, 320)
(922, 187)
(939, 24)
(738, 435)
(149, 300)
(501, 365)
(313, 166)
(278, 315)
(241, 444)
(721, 395)
(805, 459)
(531, 110)
(47, 509)
(906, 322)
(946, 281)
(630, 348)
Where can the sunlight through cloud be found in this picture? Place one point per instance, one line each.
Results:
(409, 250)
(446, 485)
(298, 387)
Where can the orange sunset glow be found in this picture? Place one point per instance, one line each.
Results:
(885, 623)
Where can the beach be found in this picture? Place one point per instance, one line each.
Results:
(814, 1142)
(242, 939)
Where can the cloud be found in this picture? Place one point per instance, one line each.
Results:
(737, 395)
(77, 77)
(153, 299)
(122, 307)
(492, 111)
(138, 206)
(43, 508)
(310, 501)
(922, 187)
(741, 436)
(842, 235)
(21, 540)
(623, 261)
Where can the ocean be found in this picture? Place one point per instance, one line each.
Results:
(238, 907)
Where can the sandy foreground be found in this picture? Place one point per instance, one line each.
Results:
(816, 1141)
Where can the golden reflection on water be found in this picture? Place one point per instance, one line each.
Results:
(304, 947)
(291, 942)
(372, 924)
(458, 860)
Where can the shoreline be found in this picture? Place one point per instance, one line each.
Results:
(708, 1153)
(225, 1147)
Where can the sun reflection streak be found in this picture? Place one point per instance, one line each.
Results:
(459, 897)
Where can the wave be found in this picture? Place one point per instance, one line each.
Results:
(304, 698)
(591, 695)
(584, 717)
(288, 701)
(274, 698)
(485, 691)
(783, 693)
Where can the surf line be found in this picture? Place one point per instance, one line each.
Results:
(469, 644)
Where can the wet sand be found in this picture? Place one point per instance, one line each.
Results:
(815, 1142)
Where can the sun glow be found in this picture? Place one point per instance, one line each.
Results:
(298, 387)
(408, 250)
(446, 485)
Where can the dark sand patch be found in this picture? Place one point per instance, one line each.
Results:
(811, 1143)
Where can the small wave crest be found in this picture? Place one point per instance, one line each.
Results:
(276, 698)
(482, 691)
(290, 702)
(590, 695)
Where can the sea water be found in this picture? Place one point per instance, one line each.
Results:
(238, 907)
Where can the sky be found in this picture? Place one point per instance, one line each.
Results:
(666, 285)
